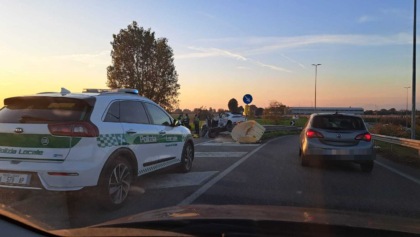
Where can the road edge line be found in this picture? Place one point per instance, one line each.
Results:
(210, 183)
(409, 177)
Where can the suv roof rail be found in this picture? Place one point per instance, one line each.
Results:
(125, 90)
(94, 90)
(120, 90)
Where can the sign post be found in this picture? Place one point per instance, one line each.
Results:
(247, 100)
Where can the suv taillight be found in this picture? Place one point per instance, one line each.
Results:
(74, 129)
(364, 136)
(313, 134)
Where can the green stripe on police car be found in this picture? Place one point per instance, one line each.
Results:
(37, 141)
(109, 140)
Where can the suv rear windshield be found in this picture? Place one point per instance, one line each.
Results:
(338, 122)
(44, 110)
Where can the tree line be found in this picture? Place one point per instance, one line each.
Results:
(274, 110)
(391, 111)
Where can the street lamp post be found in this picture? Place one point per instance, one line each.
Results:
(406, 107)
(413, 85)
(316, 73)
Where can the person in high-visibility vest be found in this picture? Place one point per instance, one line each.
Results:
(197, 124)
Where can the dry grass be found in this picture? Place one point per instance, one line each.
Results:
(399, 154)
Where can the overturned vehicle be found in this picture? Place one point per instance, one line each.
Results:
(220, 123)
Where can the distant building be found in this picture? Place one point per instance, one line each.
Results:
(311, 110)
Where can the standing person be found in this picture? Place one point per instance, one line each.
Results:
(187, 121)
(197, 124)
(180, 118)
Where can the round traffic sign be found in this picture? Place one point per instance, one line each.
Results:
(247, 99)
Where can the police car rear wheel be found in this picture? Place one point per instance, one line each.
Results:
(187, 157)
(115, 183)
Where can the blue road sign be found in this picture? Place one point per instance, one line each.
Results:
(247, 99)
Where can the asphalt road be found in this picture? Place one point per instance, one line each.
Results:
(228, 173)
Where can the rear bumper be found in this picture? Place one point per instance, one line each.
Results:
(340, 154)
(60, 176)
(356, 158)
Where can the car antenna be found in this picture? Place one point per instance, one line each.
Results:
(64, 91)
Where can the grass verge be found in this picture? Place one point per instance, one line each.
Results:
(282, 121)
(398, 154)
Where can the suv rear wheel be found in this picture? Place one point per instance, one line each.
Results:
(115, 183)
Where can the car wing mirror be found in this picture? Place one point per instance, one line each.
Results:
(176, 123)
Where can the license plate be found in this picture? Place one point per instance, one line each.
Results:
(18, 179)
(341, 152)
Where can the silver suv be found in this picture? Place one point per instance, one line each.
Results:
(338, 137)
(103, 139)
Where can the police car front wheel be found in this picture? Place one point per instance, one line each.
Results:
(187, 157)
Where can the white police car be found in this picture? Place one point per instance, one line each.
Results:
(67, 141)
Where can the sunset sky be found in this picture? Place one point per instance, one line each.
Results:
(223, 48)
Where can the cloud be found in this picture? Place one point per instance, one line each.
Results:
(364, 19)
(261, 45)
(215, 52)
(272, 44)
(210, 52)
(249, 46)
(272, 67)
(102, 58)
(293, 61)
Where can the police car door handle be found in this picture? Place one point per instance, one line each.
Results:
(131, 131)
(162, 132)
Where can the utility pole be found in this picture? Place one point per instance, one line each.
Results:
(406, 108)
(316, 74)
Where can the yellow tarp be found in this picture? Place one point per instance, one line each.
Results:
(248, 132)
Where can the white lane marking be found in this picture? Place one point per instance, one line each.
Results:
(176, 180)
(213, 143)
(409, 177)
(198, 143)
(219, 154)
(190, 199)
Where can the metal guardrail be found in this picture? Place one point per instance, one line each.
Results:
(398, 141)
(415, 144)
(273, 128)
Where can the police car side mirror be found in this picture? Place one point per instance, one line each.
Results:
(175, 123)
